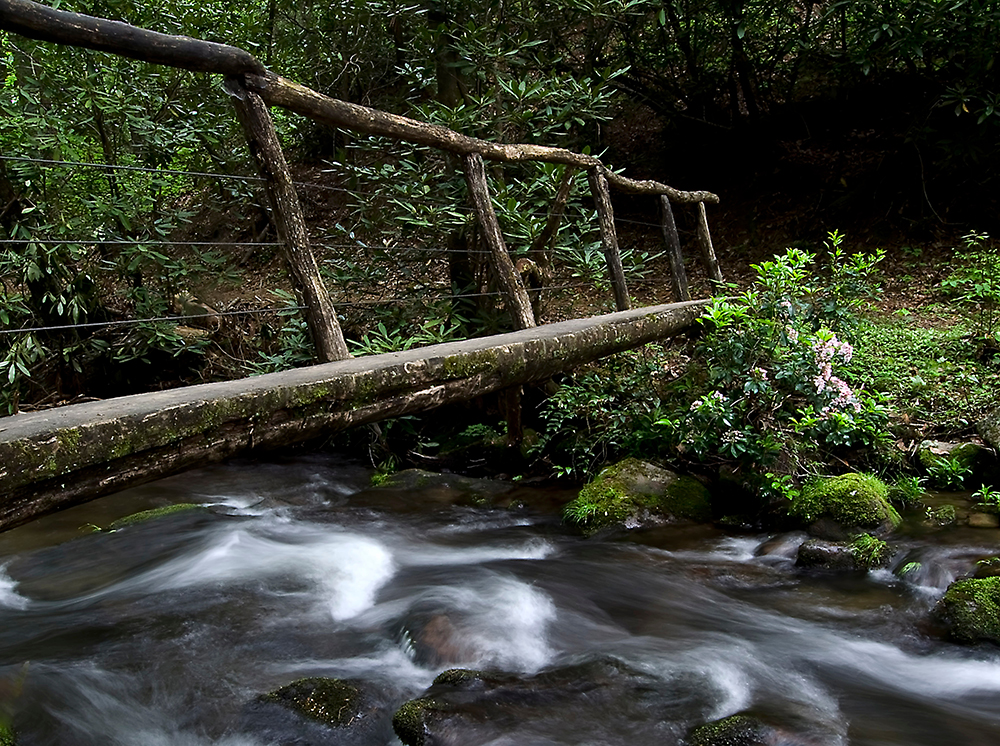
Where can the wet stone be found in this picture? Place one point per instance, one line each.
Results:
(467, 707)
(983, 520)
(319, 711)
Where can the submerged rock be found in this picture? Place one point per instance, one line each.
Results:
(447, 488)
(839, 508)
(319, 711)
(634, 494)
(970, 610)
(467, 707)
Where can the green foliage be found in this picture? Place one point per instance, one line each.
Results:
(907, 491)
(771, 360)
(975, 284)
(870, 552)
(603, 412)
(987, 496)
(948, 473)
(926, 372)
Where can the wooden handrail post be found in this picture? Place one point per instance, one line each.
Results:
(707, 251)
(513, 290)
(265, 149)
(678, 277)
(609, 239)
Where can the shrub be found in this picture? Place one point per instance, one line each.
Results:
(772, 364)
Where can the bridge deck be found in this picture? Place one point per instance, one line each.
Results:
(59, 457)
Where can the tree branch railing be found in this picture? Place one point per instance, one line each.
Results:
(253, 85)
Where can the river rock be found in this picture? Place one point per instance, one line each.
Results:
(826, 555)
(970, 610)
(467, 707)
(319, 711)
(839, 508)
(636, 494)
(983, 520)
(741, 729)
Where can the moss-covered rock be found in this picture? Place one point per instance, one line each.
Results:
(735, 730)
(329, 701)
(152, 514)
(931, 453)
(839, 508)
(411, 720)
(319, 710)
(970, 610)
(633, 493)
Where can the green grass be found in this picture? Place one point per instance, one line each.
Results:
(928, 373)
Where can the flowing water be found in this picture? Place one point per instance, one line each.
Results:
(162, 632)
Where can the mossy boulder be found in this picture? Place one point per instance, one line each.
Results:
(413, 721)
(839, 508)
(634, 493)
(970, 610)
(736, 730)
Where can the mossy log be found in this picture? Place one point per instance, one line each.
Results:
(56, 458)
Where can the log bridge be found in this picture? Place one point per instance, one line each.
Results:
(56, 458)
(53, 459)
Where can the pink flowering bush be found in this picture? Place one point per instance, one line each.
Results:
(773, 386)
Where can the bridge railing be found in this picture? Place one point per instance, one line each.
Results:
(253, 88)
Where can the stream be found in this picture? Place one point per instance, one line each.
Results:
(162, 632)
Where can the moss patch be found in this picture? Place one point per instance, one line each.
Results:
(735, 730)
(148, 515)
(970, 609)
(851, 499)
(328, 701)
(409, 722)
(7, 735)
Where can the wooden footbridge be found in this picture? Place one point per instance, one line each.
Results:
(56, 458)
